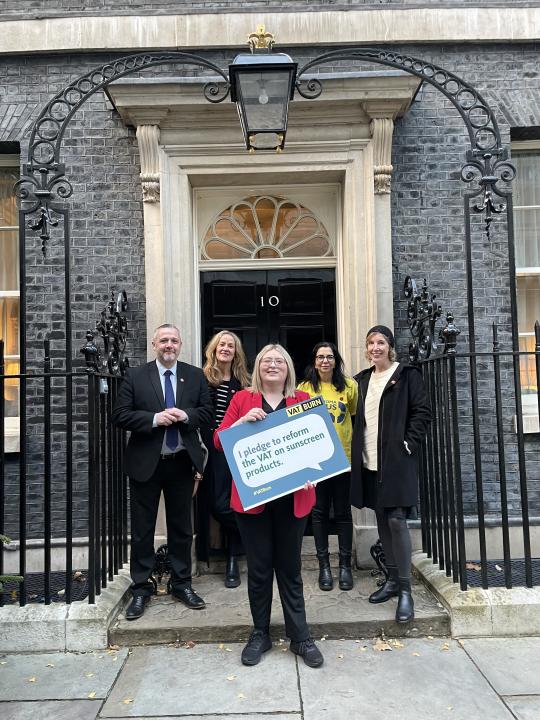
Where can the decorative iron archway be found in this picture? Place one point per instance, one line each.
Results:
(44, 188)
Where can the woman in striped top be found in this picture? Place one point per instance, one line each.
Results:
(226, 371)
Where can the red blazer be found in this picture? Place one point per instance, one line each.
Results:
(243, 401)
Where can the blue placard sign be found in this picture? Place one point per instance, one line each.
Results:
(278, 455)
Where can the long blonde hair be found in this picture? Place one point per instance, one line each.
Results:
(239, 369)
(290, 382)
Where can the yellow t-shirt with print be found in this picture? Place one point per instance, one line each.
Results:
(341, 406)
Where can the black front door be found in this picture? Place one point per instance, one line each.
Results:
(296, 308)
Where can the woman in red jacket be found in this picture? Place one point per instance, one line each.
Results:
(272, 534)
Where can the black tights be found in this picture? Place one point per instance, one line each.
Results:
(395, 538)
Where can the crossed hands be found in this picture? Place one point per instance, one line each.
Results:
(170, 416)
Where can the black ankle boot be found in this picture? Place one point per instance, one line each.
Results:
(390, 588)
(326, 581)
(405, 608)
(232, 574)
(345, 574)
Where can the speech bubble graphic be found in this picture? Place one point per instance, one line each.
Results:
(283, 450)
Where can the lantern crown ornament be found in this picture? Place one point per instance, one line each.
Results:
(262, 84)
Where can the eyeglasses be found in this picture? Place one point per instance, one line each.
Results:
(322, 358)
(278, 362)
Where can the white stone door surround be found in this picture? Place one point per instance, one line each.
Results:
(342, 140)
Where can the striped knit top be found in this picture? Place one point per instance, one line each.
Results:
(222, 392)
(377, 383)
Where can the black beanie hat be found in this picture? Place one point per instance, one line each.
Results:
(383, 330)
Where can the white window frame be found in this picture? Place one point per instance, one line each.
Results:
(529, 401)
(11, 424)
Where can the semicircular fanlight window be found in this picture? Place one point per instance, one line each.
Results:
(262, 227)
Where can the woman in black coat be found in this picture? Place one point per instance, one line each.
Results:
(226, 372)
(391, 422)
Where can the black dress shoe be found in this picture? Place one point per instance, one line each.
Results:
(136, 607)
(189, 597)
(232, 573)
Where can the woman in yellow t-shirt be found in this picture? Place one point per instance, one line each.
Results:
(325, 376)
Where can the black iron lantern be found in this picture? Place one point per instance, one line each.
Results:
(262, 83)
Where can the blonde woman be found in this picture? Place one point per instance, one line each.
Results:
(226, 371)
(272, 534)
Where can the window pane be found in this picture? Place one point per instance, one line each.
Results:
(11, 390)
(526, 216)
(9, 260)
(9, 332)
(8, 203)
(528, 294)
(527, 182)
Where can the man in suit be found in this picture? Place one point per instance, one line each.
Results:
(162, 404)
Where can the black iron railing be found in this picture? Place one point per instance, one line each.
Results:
(63, 496)
(478, 467)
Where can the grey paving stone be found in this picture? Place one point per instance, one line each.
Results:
(203, 680)
(510, 664)
(419, 681)
(45, 710)
(59, 676)
(525, 707)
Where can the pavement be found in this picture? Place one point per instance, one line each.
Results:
(373, 679)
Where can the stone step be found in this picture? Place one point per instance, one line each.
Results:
(227, 618)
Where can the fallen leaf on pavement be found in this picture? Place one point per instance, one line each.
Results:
(396, 643)
(231, 677)
(91, 695)
(32, 679)
(221, 646)
(445, 646)
(188, 644)
(381, 645)
(127, 701)
(430, 637)
(416, 654)
(89, 674)
(50, 664)
(241, 696)
(340, 657)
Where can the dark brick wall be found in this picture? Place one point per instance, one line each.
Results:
(29, 9)
(428, 234)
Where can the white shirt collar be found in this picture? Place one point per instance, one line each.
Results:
(162, 368)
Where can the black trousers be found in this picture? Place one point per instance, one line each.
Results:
(273, 543)
(337, 491)
(175, 478)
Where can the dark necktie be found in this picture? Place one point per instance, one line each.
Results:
(171, 433)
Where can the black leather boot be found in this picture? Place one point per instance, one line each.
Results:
(326, 581)
(232, 573)
(405, 608)
(390, 588)
(346, 581)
